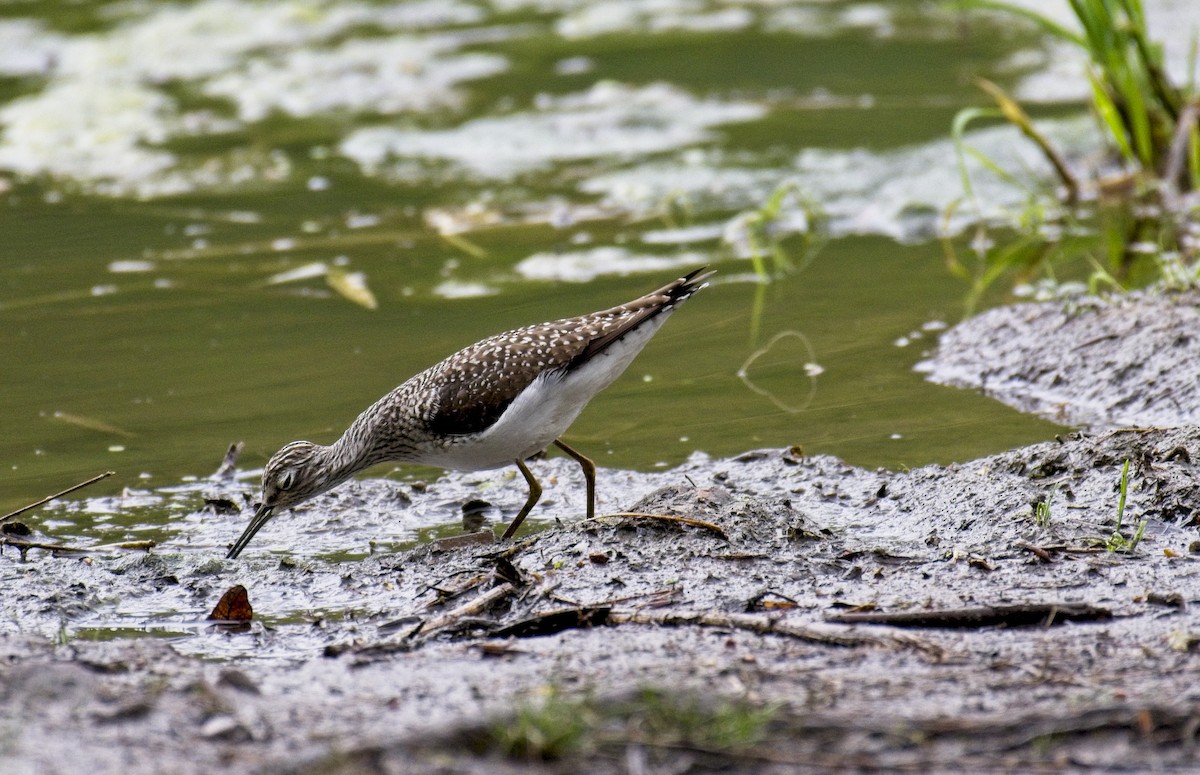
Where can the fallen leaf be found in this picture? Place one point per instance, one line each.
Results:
(234, 606)
(92, 424)
(352, 286)
(305, 272)
(498, 650)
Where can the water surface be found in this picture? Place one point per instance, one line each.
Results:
(186, 187)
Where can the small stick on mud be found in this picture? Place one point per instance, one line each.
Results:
(447, 592)
(1178, 153)
(1017, 615)
(1038, 551)
(474, 606)
(517, 548)
(49, 498)
(145, 545)
(228, 465)
(579, 617)
(24, 546)
(664, 518)
(765, 625)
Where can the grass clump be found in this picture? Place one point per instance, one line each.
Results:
(550, 730)
(1041, 512)
(655, 718)
(559, 728)
(1151, 122)
(1117, 542)
(1152, 128)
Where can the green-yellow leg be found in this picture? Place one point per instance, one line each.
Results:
(589, 475)
(535, 492)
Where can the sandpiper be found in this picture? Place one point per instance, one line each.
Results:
(495, 403)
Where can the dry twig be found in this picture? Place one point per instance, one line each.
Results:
(24, 546)
(472, 607)
(49, 498)
(664, 518)
(1016, 615)
(228, 466)
(766, 625)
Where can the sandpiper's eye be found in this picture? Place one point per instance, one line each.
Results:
(286, 479)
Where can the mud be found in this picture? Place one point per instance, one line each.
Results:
(353, 666)
(1131, 360)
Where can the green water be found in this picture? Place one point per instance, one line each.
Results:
(153, 373)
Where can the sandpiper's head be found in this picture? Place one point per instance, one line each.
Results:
(293, 475)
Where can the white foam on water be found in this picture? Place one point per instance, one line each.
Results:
(105, 112)
(581, 266)
(610, 120)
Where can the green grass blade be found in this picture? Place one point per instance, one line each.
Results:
(1138, 117)
(1018, 254)
(991, 166)
(1097, 27)
(1194, 155)
(1017, 116)
(1110, 116)
(949, 253)
(1137, 15)
(1138, 536)
(1190, 89)
(1099, 276)
(1124, 491)
(957, 131)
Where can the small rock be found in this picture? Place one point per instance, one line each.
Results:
(224, 727)
(236, 679)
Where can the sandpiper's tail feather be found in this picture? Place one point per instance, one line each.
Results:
(660, 302)
(679, 290)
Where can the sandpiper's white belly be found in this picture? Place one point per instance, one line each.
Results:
(542, 412)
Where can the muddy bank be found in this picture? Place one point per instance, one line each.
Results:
(384, 662)
(1130, 360)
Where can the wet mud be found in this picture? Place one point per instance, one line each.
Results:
(1130, 360)
(1029, 610)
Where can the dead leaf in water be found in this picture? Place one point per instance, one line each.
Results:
(92, 424)
(305, 272)
(351, 286)
(234, 606)
(228, 467)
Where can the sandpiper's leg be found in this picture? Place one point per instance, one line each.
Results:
(589, 474)
(535, 492)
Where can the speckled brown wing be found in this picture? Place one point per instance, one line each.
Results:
(477, 384)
